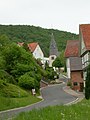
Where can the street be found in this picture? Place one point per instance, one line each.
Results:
(52, 95)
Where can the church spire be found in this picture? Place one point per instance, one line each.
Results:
(53, 46)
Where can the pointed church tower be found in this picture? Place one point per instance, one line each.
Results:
(53, 51)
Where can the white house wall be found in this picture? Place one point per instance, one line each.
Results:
(68, 67)
(38, 53)
(85, 60)
(83, 48)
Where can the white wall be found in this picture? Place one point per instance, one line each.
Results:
(68, 67)
(51, 60)
(83, 48)
(85, 60)
(38, 53)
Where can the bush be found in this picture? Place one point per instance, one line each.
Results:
(2, 84)
(6, 77)
(10, 90)
(87, 85)
(69, 84)
(26, 81)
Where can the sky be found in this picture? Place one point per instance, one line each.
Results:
(65, 15)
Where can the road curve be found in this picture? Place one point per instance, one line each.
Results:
(52, 95)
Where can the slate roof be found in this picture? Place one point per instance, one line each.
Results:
(85, 30)
(75, 63)
(32, 46)
(53, 46)
(72, 48)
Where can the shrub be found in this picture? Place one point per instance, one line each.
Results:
(6, 77)
(69, 83)
(2, 83)
(87, 86)
(10, 90)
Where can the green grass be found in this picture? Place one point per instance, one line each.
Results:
(10, 90)
(8, 103)
(12, 96)
(80, 111)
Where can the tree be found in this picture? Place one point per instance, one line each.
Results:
(27, 82)
(57, 63)
(87, 86)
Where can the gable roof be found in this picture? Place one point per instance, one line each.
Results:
(85, 30)
(32, 46)
(72, 48)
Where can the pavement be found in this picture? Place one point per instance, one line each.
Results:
(80, 95)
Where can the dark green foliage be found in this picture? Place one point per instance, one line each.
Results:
(87, 86)
(10, 90)
(30, 80)
(18, 61)
(20, 65)
(50, 74)
(27, 34)
(57, 63)
(26, 81)
(6, 77)
(4, 40)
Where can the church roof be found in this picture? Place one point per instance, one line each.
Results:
(53, 46)
(32, 46)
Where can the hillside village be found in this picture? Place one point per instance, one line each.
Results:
(25, 67)
(75, 63)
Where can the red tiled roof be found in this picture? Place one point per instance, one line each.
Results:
(85, 30)
(72, 48)
(32, 46)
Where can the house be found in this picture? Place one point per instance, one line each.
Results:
(53, 51)
(20, 44)
(36, 51)
(84, 37)
(74, 64)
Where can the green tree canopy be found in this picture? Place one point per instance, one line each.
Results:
(87, 85)
(57, 63)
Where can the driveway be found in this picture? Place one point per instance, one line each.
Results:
(52, 95)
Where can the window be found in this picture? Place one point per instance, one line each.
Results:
(52, 58)
(75, 83)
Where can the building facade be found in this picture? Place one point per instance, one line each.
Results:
(84, 36)
(74, 65)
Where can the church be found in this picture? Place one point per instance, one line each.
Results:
(53, 51)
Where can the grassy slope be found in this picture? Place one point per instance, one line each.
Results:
(80, 111)
(8, 103)
(12, 96)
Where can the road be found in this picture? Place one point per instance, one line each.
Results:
(52, 95)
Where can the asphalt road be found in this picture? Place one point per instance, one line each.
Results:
(52, 95)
